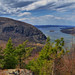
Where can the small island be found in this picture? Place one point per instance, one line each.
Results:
(51, 30)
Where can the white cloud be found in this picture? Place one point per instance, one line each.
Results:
(24, 11)
(57, 3)
(46, 19)
(41, 18)
(23, 19)
(5, 6)
(37, 4)
(25, 0)
(24, 14)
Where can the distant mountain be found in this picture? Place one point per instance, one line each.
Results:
(19, 31)
(45, 26)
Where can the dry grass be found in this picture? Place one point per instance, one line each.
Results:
(66, 65)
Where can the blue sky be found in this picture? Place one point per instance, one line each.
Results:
(40, 12)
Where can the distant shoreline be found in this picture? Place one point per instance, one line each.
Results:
(54, 26)
(69, 31)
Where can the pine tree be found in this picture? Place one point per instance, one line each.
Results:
(23, 52)
(10, 60)
(1, 57)
(45, 63)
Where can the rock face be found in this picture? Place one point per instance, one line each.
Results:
(19, 31)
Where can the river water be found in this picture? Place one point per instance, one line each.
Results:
(55, 33)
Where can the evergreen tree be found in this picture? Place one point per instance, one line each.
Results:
(1, 57)
(10, 60)
(11, 56)
(44, 64)
(23, 52)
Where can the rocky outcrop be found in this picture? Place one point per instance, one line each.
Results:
(19, 31)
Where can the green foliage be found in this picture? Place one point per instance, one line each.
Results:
(22, 52)
(40, 67)
(43, 65)
(1, 57)
(10, 60)
(11, 56)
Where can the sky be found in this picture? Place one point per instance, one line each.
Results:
(39, 12)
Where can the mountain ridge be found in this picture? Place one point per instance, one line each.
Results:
(19, 31)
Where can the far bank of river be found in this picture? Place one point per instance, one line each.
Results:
(69, 31)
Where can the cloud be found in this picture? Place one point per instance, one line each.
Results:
(29, 10)
(15, 6)
(11, 6)
(25, 0)
(37, 4)
(21, 4)
(54, 4)
(24, 14)
(64, 5)
(46, 19)
(41, 18)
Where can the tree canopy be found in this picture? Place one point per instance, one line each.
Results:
(44, 64)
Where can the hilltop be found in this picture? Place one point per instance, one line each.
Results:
(19, 31)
